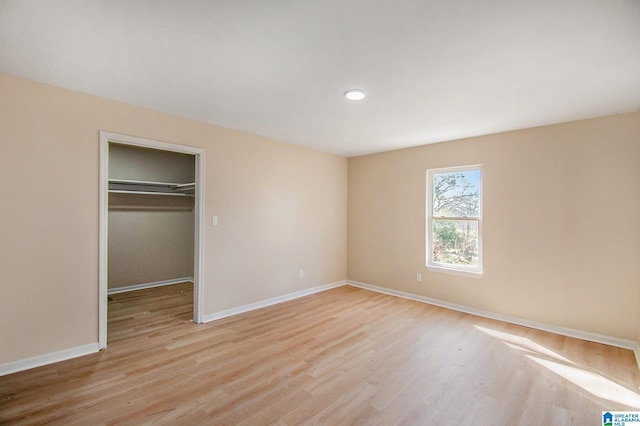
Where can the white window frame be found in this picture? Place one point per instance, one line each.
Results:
(431, 265)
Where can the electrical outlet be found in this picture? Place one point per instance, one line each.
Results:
(301, 273)
(418, 277)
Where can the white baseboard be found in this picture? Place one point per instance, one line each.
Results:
(37, 361)
(50, 358)
(584, 335)
(148, 285)
(272, 301)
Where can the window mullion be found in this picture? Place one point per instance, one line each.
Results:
(455, 218)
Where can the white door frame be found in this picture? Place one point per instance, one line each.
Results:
(105, 139)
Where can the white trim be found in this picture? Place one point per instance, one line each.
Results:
(50, 358)
(198, 278)
(103, 250)
(135, 287)
(149, 143)
(272, 301)
(198, 241)
(38, 361)
(453, 271)
(563, 331)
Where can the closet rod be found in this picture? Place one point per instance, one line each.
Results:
(121, 191)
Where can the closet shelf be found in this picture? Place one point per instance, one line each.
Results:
(122, 186)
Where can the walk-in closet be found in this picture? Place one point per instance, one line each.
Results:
(151, 197)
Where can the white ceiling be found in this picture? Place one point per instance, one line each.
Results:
(433, 70)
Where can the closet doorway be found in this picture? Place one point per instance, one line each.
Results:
(165, 182)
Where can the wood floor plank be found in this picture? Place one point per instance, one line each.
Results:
(343, 356)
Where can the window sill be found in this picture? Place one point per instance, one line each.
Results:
(459, 272)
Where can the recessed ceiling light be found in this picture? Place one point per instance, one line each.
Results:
(355, 94)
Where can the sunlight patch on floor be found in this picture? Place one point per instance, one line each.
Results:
(522, 343)
(592, 383)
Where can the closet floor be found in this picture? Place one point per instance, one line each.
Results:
(136, 314)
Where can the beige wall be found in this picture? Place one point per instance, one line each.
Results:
(561, 208)
(153, 165)
(281, 208)
(148, 245)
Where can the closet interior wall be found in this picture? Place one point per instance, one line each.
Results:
(151, 237)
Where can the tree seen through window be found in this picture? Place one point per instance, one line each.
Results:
(455, 218)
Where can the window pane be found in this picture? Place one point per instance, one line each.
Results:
(456, 194)
(455, 242)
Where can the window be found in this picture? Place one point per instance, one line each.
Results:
(454, 220)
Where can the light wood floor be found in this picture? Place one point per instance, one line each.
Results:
(343, 356)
